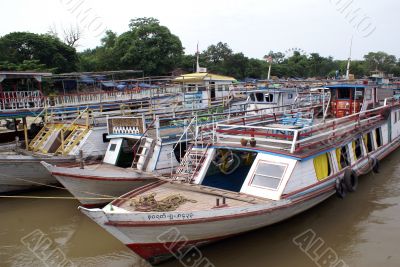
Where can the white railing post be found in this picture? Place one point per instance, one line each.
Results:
(295, 136)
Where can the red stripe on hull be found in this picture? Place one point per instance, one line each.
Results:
(157, 252)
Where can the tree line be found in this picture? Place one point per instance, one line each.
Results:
(151, 47)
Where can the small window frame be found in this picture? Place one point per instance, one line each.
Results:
(112, 147)
(270, 163)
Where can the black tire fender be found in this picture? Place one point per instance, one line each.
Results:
(350, 180)
(375, 165)
(341, 189)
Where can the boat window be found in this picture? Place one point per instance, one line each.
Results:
(322, 166)
(359, 94)
(344, 93)
(342, 156)
(290, 96)
(368, 94)
(113, 147)
(378, 134)
(368, 142)
(252, 97)
(268, 175)
(260, 97)
(269, 98)
(357, 148)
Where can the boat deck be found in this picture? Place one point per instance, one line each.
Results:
(197, 198)
(272, 134)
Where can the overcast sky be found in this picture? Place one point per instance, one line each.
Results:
(253, 27)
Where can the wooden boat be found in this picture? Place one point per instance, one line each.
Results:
(132, 160)
(226, 186)
(57, 142)
(136, 151)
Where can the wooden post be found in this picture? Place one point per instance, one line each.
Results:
(62, 140)
(16, 142)
(25, 133)
(81, 159)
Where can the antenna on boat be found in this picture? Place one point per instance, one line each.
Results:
(349, 60)
(197, 62)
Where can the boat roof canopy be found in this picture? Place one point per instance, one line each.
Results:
(343, 86)
(203, 76)
(272, 90)
(23, 75)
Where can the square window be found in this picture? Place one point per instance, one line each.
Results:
(113, 147)
(268, 175)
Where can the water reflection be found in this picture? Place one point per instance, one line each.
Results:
(363, 229)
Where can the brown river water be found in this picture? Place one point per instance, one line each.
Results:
(361, 230)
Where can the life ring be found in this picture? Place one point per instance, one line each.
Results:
(225, 161)
(341, 190)
(375, 165)
(350, 180)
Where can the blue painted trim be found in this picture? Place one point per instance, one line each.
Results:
(258, 151)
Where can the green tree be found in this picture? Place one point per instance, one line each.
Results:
(380, 61)
(148, 46)
(43, 49)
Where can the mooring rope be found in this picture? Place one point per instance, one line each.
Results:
(61, 198)
(59, 187)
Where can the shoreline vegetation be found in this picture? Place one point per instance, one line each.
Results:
(151, 47)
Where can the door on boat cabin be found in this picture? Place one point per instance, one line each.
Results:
(212, 91)
(347, 101)
(126, 153)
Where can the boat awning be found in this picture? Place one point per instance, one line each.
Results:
(200, 77)
(23, 75)
(108, 84)
(345, 86)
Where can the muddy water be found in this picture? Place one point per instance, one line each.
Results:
(361, 230)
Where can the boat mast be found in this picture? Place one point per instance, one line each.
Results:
(269, 59)
(349, 60)
(197, 61)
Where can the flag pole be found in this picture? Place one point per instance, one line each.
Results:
(197, 62)
(269, 70)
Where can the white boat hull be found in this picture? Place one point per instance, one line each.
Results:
(98, 184)
(19, 173)
(156, 241)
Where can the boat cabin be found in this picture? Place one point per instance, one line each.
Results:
(270, 98)
(145, 145)
(275, 157)
(202, 88)
(347, 99)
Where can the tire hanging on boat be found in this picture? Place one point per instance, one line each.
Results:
(350, 180)
(341, 190)
(375, 165)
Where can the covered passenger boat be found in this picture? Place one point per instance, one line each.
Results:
(250, 176)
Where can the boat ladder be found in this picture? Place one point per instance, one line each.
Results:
(44, 134)
(144, 153)
(191, 163)
(77, 133)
